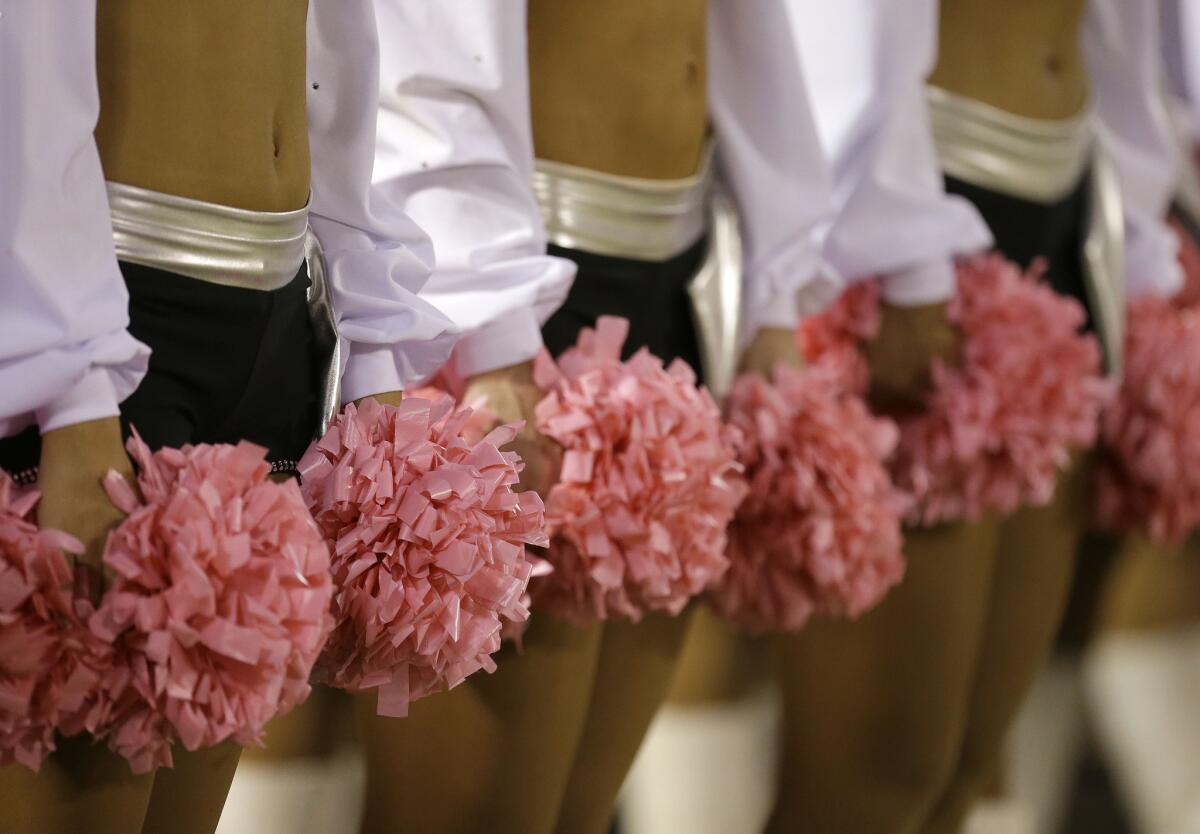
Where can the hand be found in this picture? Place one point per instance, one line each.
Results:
(74, 461)
(512, 395)
(902, 356)
(387, 398)
(772, 346)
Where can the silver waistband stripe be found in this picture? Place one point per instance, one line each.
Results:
(622, 217)
(716, 298)
(1034, 159)
(1104, 260)
(325, 335)
(258, 250)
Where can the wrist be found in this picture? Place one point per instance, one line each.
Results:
(383, 398)
(82, 452)
(518, 374)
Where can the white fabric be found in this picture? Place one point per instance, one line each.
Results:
(770, 158)
(1181, 20)
(377, 258)
(65, 353)
(1123, 47)
(455, 149)
(867, 61)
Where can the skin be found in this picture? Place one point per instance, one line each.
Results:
(910, 340)
(644, 115)
(1022, 56)
(205, 99)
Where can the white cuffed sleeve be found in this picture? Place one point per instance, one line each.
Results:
(377, 258)
(770, 158)
(66, 355)
(869, 61)
(456, 151)
(1123, 46)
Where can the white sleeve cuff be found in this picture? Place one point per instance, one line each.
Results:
(932, 282)
(513, 339)
(370, 370)
(92, 398)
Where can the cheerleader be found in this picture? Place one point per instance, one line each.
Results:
(163, 169)
(621, 190)
(895, 722)
(1138, 665)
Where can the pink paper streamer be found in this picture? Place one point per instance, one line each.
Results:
(819, 532)
(429, 539)
(650, 481)
(218, 610)
(1149, 476)
(41, 674)
(997, 430)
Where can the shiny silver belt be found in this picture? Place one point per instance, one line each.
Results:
(259, 250)
(1035, 159)
(1043, 161)
(622, 217)
(656, 220)
(254, 250)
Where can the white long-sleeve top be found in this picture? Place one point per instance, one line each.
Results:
(770, 158)
(455, 148)
(867, 61)
(1123, 47)
(65, 352)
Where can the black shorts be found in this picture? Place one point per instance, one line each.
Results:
(227, 364)
(1053, 232)
(653, 295)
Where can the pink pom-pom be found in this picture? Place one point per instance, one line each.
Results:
(481, 420)
(429, 542)
(998, 428)
(1149, 476)
(41, 678)
(219, 606)
(819, 532)
(649, 481)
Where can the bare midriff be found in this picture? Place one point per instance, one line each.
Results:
(619, 86)
(1023, 56)
(205, 99)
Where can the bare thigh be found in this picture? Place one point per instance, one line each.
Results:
(492, 755)
(874, 710)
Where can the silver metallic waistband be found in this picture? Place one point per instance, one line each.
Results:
(1034, 159)
(622, 217)
(258, 250)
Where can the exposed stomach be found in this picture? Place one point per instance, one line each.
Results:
(1023, 56)
(620, 86)
(205, 99)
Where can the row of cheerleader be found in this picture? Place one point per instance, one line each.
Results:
(455, 355)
